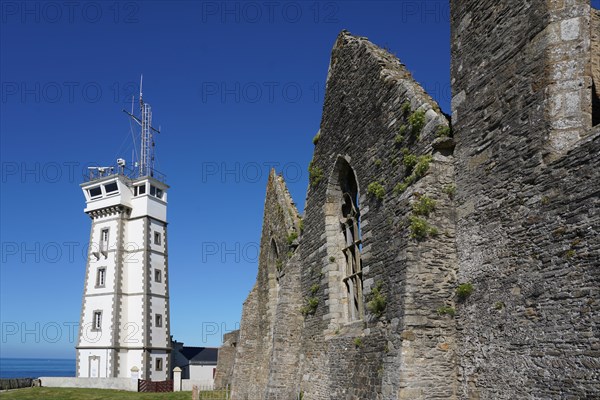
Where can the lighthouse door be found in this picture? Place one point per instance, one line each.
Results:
(94, 366)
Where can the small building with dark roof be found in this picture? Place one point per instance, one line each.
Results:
(197, 364)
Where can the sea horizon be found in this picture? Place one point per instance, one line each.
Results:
(25, 367)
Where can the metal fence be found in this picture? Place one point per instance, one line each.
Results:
(207, 393)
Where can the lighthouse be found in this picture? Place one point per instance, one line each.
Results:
(124, 326)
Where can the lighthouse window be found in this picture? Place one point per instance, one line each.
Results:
(140, 190)
(101, 277)
(157, 275)
(95, 192)
(158, 320)
(97, 323)
(159, 363)
(156, 192)
(157, 238)
(104, 240)
(111, 187)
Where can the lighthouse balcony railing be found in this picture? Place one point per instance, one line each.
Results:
(95, 173)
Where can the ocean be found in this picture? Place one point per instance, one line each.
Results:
(35, 367)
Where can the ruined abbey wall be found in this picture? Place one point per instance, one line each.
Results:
(365, 127)
(480, 245)
(595, 36)
(255, 339)
(527, 199)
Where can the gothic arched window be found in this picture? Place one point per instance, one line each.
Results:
(352, 244)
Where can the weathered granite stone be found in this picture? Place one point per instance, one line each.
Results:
(226, 360)
(528, 191)
(480, 251)
(595, 37)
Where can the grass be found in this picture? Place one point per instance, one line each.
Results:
(446, 310)
(377, 300)
(310, 308)
(424, 206)
(315, 174)
(420, 229)
(45, 393)
(291, 237)
(464, 290)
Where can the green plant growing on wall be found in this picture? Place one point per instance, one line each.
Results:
(316, 138)
(499, 305)
(417, 121)
(420, 228)
(358, 342)
(378, 163)
(545, 200)
(464, 290)
(314, 289)
(291, 237)
(401, 133)
(301, 225)
(377, 300)
(376, 189)
(279, 265)
(405, 108)
(315, 174)
(409, 160)
(332, 259)
(570, 253)
(425, 205)
(442, 131)
(310, 307)
(400, 187)
(450, 190)
(446, 310)
(422, 166)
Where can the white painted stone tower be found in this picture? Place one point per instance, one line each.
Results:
(124, 327)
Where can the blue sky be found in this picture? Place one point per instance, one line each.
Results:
(236, 87)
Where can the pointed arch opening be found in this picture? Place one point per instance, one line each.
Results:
(274, 266)
(344, 238)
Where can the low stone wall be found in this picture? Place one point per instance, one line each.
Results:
(95, 383)
(18, 383)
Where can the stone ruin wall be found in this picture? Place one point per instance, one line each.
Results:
(226, 360)
(255, 342)
(363, 116)
(522, 228)
(527, 200)
(595, 36)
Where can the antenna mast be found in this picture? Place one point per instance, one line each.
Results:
(147, 140)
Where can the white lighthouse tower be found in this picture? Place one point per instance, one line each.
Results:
(124, 327)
